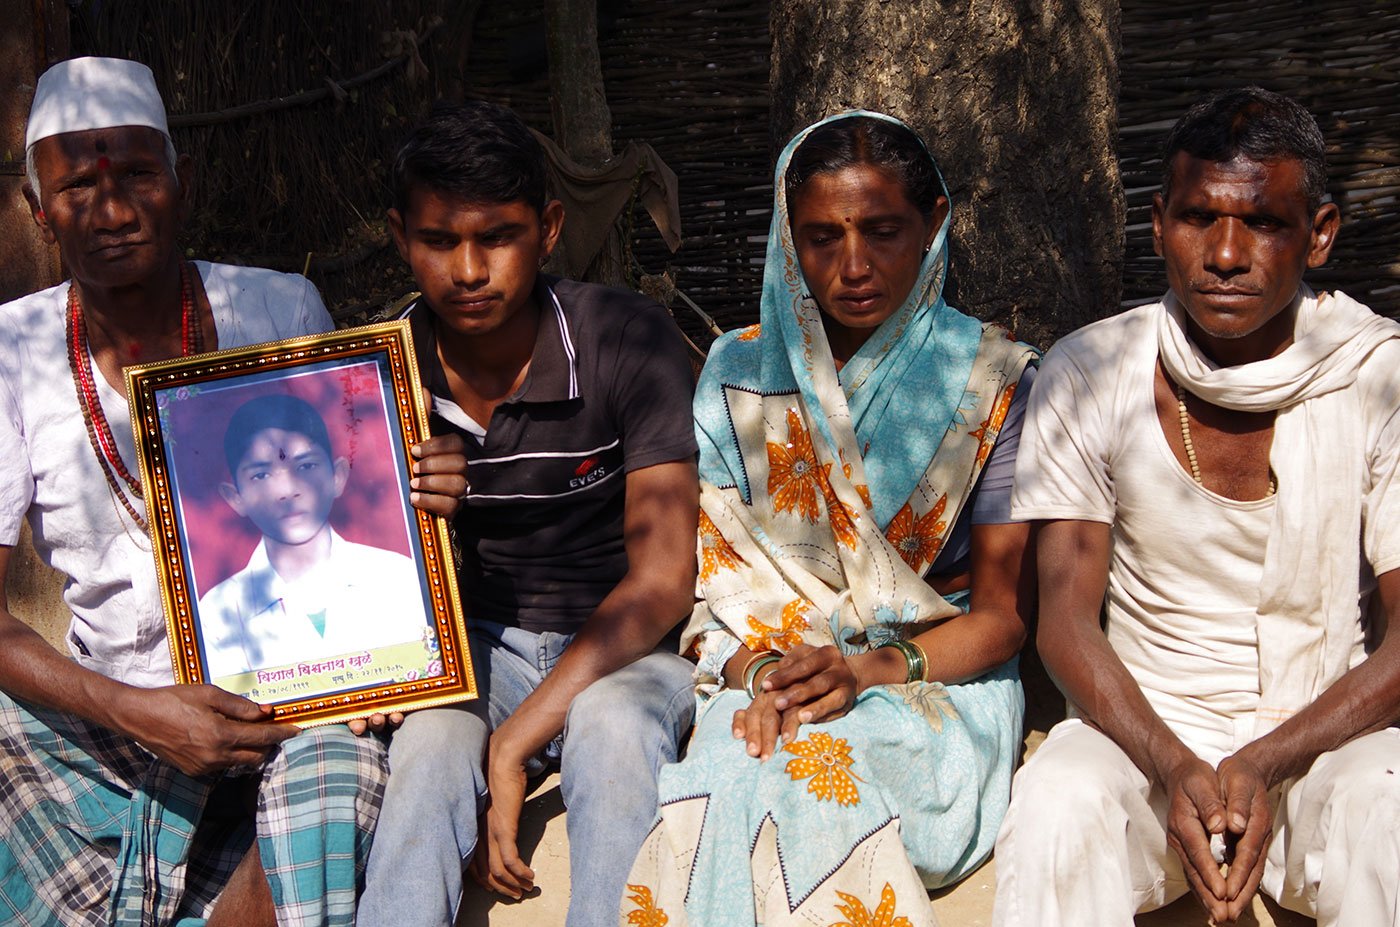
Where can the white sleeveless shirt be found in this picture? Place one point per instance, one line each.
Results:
(1186, 563)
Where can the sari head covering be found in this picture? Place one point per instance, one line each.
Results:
(826, 496)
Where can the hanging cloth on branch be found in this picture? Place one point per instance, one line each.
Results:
(593, 198)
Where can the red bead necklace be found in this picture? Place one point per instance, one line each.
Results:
(99, 432)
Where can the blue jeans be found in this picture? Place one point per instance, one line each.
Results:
(618, 734)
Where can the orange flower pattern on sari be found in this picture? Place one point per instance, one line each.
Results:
(857, 915)
(826, 761)
(786, 636)
(715, 552)
(793, 474)
(842, 516)
(918, 541)
(647, 913)
(750, 334)
(986, 435)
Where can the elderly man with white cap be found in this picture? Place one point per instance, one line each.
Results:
(125, 799)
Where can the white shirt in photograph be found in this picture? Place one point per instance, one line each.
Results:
(359, 598)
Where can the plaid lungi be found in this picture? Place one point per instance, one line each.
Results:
(95, 831)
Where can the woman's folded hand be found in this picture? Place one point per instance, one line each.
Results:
(812, 684)
(759, 724)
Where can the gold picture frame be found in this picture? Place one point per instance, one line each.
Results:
(317, 617)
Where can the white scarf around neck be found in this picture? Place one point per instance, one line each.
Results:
(1309, 588)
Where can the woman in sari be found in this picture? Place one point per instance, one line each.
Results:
(864, 596)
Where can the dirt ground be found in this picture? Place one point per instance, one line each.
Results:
(967, 904)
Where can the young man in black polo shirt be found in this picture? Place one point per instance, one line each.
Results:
(577, 535)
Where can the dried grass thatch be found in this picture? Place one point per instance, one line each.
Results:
(691, 79)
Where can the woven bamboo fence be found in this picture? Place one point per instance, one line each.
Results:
(690, 78)
(292, 112)
(1339, 59)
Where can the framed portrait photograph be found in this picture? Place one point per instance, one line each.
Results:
(293, 569)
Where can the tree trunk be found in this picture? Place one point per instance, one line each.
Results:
(579, 107)
(578, 102)
(1018, 101)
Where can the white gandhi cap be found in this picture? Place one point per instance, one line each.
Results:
(94, 93)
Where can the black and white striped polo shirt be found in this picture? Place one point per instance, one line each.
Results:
(608, 391)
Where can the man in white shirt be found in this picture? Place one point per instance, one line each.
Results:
(114, 803)
(1213, 473)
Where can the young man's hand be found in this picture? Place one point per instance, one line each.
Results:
(497, 865)
(202, 729)
(376, 723)
(439, 474)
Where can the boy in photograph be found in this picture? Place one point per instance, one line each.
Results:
(577, 534)
(306, 592)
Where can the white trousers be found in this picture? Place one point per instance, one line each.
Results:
(1084, 841)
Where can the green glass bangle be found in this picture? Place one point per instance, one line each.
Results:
(751, 673)
(913, 659)
(923, 661)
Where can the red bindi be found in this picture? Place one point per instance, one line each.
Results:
(103, 164)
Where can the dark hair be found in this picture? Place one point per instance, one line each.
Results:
(478, 151)
(1256, 123)
(855, 140)
(285, 412)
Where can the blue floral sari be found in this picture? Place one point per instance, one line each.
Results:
(826, 497)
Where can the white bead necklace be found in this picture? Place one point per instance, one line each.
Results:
(1191, 448)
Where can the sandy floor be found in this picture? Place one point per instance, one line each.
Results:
(968, 904)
